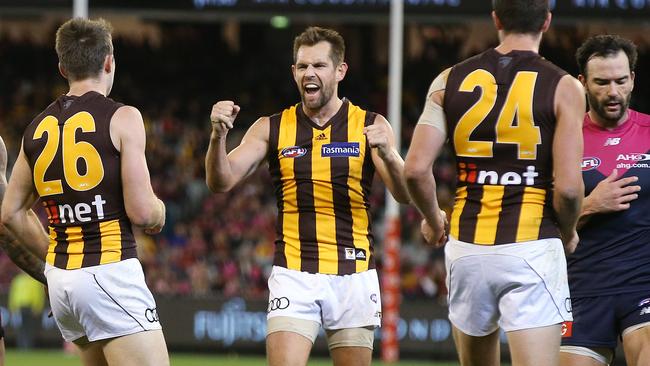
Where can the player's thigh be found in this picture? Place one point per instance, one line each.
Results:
(584, 356)
(351, 356)
(636, 345)
(287, 348)
(477, 351)
(139, 349)
(535, 346)
(91, 353)
(351, 346)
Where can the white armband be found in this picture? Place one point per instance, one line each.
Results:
(433, 114)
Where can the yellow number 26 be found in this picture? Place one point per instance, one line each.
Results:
(71, 151)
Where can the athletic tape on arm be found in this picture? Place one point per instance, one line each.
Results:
(433, 114)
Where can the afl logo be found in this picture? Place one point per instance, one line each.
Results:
(293, 152)
(590, 163)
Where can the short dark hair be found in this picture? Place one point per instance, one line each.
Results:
(521, 16)
(604, 46)
(314, 35)
(82, 45)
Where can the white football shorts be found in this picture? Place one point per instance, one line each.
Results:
(512, 286)
(333, 301)
(101, 302)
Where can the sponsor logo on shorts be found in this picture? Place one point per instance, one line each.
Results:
(645, 310)
(340, 150)
(373, 298)
(567, 329)
(378, 314)
(590, 163)
(278, 303)
(355, 254)
(567, 304)
(293, 152)
(152, 315)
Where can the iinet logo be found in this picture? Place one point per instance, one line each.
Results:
(81, 212)
(468, 173)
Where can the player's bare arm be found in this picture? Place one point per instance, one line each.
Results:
(224, 170)
(612, 194)
(17, 215)
(387, 160)
(22, 257)
(567, 157)
(142, 206)
(418, 171)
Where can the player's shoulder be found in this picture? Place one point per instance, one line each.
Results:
(641, 119)
(49, 110)
(127, 115)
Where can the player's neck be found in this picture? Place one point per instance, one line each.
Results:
(519, 42)
(607, 124)
(81, 87)
(325, 113)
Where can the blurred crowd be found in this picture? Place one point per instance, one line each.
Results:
(222, 244)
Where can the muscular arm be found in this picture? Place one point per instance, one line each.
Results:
(224, 170)
(418, 171)
(567, 156)
(142, 206)
(17, 216)
(18, 253)
(386, 158)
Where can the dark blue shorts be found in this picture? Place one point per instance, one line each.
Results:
(600, 321)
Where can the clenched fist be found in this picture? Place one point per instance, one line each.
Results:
(378, 136)
(223, 116)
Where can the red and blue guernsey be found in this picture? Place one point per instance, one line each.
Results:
(613, 255)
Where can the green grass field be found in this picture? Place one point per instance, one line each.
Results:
(57, 358)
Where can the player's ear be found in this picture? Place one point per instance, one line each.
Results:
(62, 71)
(109, 63)
(583, 80)
(547, 22)
(341, 70)
(497, 22)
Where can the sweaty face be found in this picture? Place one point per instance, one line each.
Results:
(609, 83)
(315, 75)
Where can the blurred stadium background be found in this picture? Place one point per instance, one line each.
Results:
(208, 268)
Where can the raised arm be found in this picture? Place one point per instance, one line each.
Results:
(224, 170)
(18, 253)
(142, 206)
(567, 156)
(17, 216)
(386, 158)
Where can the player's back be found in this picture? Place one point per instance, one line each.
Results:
(76, 172)
(501, 122)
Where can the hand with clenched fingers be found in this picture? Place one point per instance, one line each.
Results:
(223, 116)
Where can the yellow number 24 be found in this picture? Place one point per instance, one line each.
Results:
(515, 124)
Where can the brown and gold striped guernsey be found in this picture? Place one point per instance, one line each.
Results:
(322, 177)
(500, 122)
(76, 171)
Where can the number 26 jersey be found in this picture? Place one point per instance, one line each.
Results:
(76, 173)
